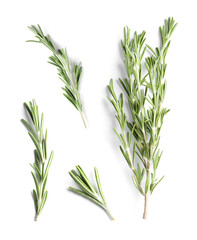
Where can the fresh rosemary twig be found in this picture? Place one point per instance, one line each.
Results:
(145, 96)
(41, 165)
(69, 76)
(88, 191)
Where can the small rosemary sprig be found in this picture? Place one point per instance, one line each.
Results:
(69, 76)
(145, 96)
(88, 191)
(41, 165)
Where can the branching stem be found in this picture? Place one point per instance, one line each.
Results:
(146, 114)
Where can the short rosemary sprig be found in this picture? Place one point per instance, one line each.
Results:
(41, 165)
(70, 76)
(87, 190)
(145, 96)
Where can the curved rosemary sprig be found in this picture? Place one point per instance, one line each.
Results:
(145, 96)
(41, 165)
(87, 190)
(70, 77)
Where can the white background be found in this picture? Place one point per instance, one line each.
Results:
(91, 31)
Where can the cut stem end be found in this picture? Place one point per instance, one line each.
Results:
(83, 118)
(36, 217)
(109, 214)
(145, 215)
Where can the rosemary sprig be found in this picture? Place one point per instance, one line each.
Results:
(145, 96)
(87, 190)
(41, 165)
(69, 76)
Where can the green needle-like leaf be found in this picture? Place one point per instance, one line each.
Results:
(36, 145)
(84, 177)
(37, 170)
(35, 200)
(82, 184)
(30, 129)
(99, 184)
(48, 165)
(86, 196)
(44, 198)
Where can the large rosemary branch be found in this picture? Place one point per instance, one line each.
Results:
(41, 165)
(70, 76)
(87, 189)
(145, 96)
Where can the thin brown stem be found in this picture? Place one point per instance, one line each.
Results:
(145, 206)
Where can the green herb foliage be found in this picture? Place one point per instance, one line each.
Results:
(87, 189)
(41, 165)
(70, 76)
(144, 91)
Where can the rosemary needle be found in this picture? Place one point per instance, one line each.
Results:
(70, 76)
